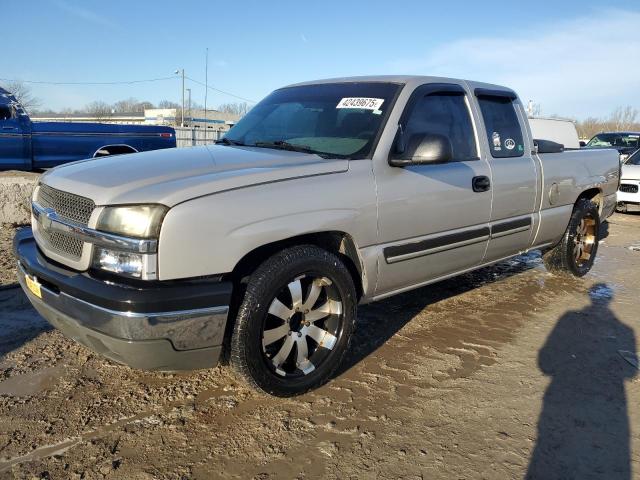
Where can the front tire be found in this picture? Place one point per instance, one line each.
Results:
(295, 322)
(576, 252)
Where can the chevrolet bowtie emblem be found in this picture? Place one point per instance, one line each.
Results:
(46, 218)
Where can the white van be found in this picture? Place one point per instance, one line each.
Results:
(556, 130)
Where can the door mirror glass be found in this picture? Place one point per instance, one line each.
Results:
(424, 148)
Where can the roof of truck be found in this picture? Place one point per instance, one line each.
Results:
(405, 79)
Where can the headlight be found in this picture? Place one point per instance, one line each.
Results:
(135, 265)
(135, 221)
(139, 221)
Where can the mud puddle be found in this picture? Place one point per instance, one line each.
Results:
(32, 383)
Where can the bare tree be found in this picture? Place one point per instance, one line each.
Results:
(168, 104)
(588, 127)
(623, 118)
(100, 110)
(23, 94)
(131, 105)
(142, 106)
(234, 108)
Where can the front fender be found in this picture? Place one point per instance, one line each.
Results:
(210, 235)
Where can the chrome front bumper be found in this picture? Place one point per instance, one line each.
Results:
(181, 339)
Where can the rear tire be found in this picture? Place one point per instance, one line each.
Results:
(295, 322)
(577, 250)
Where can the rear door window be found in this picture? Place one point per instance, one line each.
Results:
(504, 133)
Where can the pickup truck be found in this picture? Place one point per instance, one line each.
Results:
(624, 142)
(326, 195)
(27, 145)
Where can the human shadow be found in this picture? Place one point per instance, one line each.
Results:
(583, 429)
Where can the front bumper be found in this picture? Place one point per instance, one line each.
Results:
(630, 197)
(177, 325)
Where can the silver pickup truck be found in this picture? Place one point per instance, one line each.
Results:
(325, 195)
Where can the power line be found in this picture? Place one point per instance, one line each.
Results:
(128, 82)
(123, 82)
(221, 91)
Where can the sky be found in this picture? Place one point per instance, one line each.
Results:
(576, 58)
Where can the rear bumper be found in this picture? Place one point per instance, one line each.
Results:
(163, 326)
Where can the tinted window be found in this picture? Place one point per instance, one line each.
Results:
(634, 159)
(333, 120)
(615, 140)
(447, 115)
(503, 129)
(5, 112)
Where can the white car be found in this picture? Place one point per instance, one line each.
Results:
(628, 193)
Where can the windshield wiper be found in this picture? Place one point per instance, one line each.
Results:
(282, 145)
(228, 141)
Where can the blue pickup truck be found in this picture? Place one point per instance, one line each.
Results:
(27, 145)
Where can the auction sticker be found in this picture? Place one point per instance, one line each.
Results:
(361, 102)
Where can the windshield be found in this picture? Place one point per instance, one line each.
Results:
(615, 140)
(340, 120)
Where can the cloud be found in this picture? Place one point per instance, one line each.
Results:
(83, 13)
(581, 67)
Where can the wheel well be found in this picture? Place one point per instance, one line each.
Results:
(593, 194)
(114, 150)
(339, 243)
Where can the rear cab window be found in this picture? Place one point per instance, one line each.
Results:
(504, 132)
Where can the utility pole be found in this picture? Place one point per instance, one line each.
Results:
(182, 118)
(206, 92)
(189, 110)
(182, 98)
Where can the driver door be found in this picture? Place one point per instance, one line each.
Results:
(433, 218)
(13, 143)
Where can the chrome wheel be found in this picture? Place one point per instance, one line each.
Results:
(584, 240)
(302, 325)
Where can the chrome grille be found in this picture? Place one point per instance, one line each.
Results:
(70, 207)
(629, 188)
(67, 205)
(62, 243)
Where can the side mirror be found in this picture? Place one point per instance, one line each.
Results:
(583, 143)
(423, 148)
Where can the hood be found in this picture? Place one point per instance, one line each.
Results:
(630, 172)
(175, 175)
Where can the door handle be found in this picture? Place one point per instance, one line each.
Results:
(9, 128)
(481, 183)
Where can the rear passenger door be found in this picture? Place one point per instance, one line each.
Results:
(514, 172)
(432, 221)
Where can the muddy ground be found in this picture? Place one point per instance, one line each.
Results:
(508, 372)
